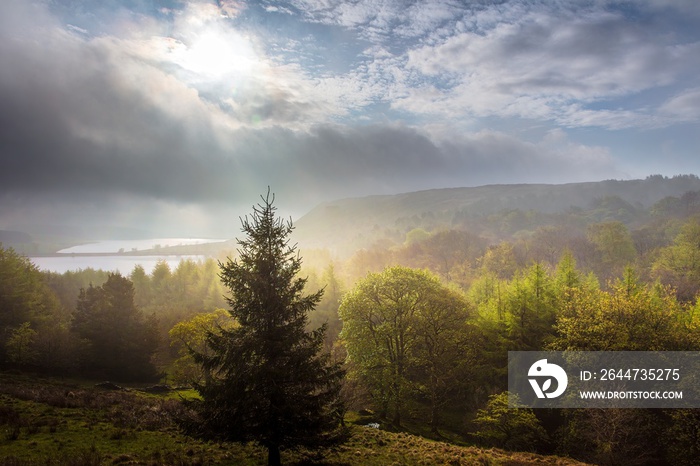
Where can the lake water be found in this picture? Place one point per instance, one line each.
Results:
(121, 264)
(113, 246)
(118, 263)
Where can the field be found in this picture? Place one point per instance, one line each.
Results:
(51, 422)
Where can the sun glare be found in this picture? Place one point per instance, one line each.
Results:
(214, 55)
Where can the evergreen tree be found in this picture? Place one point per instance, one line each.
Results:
(121, 340)
(270, 382)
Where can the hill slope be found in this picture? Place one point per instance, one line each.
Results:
(52, 422)
(349, 224)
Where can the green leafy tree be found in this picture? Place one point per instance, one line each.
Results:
(327, 310)
(270, 382)
(530, 309)
(679, 264)
(26, 301)
(161, 278)
(490, 296)
(190, 337)
(20, 345)
(184, 283)
(629, 317)
(401, 329)
(616, 436)
(500, 425)
(445, 351)
(566, 275)
(683, 437)
(500, 260)
(142, 286)
(614, 246)
(24, 294)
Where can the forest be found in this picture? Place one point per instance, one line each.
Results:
(421, 321)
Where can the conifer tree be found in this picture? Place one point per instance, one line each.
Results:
(121, 340)
(270, 381)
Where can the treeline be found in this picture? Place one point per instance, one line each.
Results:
(659, 242)
(96, 323)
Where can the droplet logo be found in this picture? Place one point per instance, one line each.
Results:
(544, 372)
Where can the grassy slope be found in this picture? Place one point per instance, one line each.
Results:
(57, 423)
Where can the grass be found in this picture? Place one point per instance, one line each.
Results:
(48, 422)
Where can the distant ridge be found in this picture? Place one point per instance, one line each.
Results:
(8, 237)
(354, 222)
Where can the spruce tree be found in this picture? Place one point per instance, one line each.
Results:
(271, 383)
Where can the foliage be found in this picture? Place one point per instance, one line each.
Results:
(446, 252)
(326, 311)
(115, 330)
(615, 436)
(270, 383)
(512, 428)
(190, 337)
(20, 345)
(31, 318)
(172, 297)
(679, 264)
(629, 317)
(500, 261)
(683, 437)
(614, 246)
(530, 309)
(404, 330)
(25, 301)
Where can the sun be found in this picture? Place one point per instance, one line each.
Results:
(215, 55)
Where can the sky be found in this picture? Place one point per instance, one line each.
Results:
(175, 116)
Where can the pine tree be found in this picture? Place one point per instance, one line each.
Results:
(271, 384)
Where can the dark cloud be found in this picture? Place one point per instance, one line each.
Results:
(89, 117)
(95, 129)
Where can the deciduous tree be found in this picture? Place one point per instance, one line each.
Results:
(500, 425)
(679, 264)
(630, 317)
(402, 328)
(190, 337)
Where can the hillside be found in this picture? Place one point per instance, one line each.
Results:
(59, 423)
(349, 224)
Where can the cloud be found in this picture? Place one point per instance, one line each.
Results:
(547, 67)
(684, 7)
(684, 106)
(568, 63)
(383, 21)
(134, 125)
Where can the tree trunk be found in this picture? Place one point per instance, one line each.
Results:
(273, 456)
(397, 417)
(397, 404)
(433, 414)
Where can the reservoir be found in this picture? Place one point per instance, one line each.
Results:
(115, 263)
(114, 246)
(113, 255)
